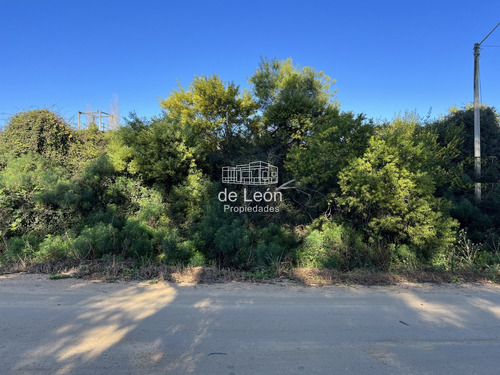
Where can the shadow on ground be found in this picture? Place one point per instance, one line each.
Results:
(80, 327)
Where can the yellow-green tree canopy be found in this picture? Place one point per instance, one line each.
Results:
(212, 108)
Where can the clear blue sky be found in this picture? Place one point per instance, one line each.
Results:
(387, 56)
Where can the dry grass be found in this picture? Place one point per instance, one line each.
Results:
(313, 276)
(110, 271)
(127, 270)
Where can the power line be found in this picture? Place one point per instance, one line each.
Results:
(486, 37)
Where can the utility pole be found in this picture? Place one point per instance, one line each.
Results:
(477, 126)
(477, 118)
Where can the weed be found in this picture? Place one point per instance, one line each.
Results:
(261, 273)
(493, 273)
(465, 252)
(130, 272)
(58, 276)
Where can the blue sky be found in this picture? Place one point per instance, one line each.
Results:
(387, 56)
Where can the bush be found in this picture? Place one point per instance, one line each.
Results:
(404, 256)
(136, 239)
(133, 199)
(232, 244)
(19, 248)
(390, 193)
(176, 251)
(274, 245)
(96, 241)
(39, 131)
(88, 145)
(54, 248)
(158, 152)
(331, 245)
(465, 252)
(189, 197)
(23, 183)
(197, 260)
(231, 241)
(204, 232)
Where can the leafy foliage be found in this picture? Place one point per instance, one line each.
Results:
(159, 152)
(212, 109)
(390, 191)
(355, 195)
(88, 145)
(38, 131)
(291, 99)
(331, 245)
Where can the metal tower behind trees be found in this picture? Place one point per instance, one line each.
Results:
(98, 117)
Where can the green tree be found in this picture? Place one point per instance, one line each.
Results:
(460, 122)
(159, 152)
(457, 127)
(389, 191)
(330, 146)
(292, 101)
(213, 109)
(38, 131)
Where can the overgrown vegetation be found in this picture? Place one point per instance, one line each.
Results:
(356, 195)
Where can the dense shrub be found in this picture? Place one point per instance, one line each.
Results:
(274, 244)
(88, 145)
(355, 195)
(54, 248)
(136, 239)
(39, 131)
(232, 243)
(175, 250)
(96, 241)
(17, 249)
(331, 245)
(389, 192)
(24, 204)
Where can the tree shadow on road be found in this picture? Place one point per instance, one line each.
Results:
(80, 327)
(108, 329)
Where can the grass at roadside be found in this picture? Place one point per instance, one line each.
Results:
(116, 271)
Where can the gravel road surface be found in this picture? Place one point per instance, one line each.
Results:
(74, 326)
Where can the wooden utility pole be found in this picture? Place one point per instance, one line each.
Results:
(477, 118)
(477, 125)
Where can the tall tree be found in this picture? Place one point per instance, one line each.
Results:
(160, 151)
(292, 101)
(389, 191)
(459, 124)
(212, 108)
(316, 161)
(480, 218)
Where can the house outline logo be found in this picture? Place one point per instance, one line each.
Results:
(253, 173)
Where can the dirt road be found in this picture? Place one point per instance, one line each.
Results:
(83, 327)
